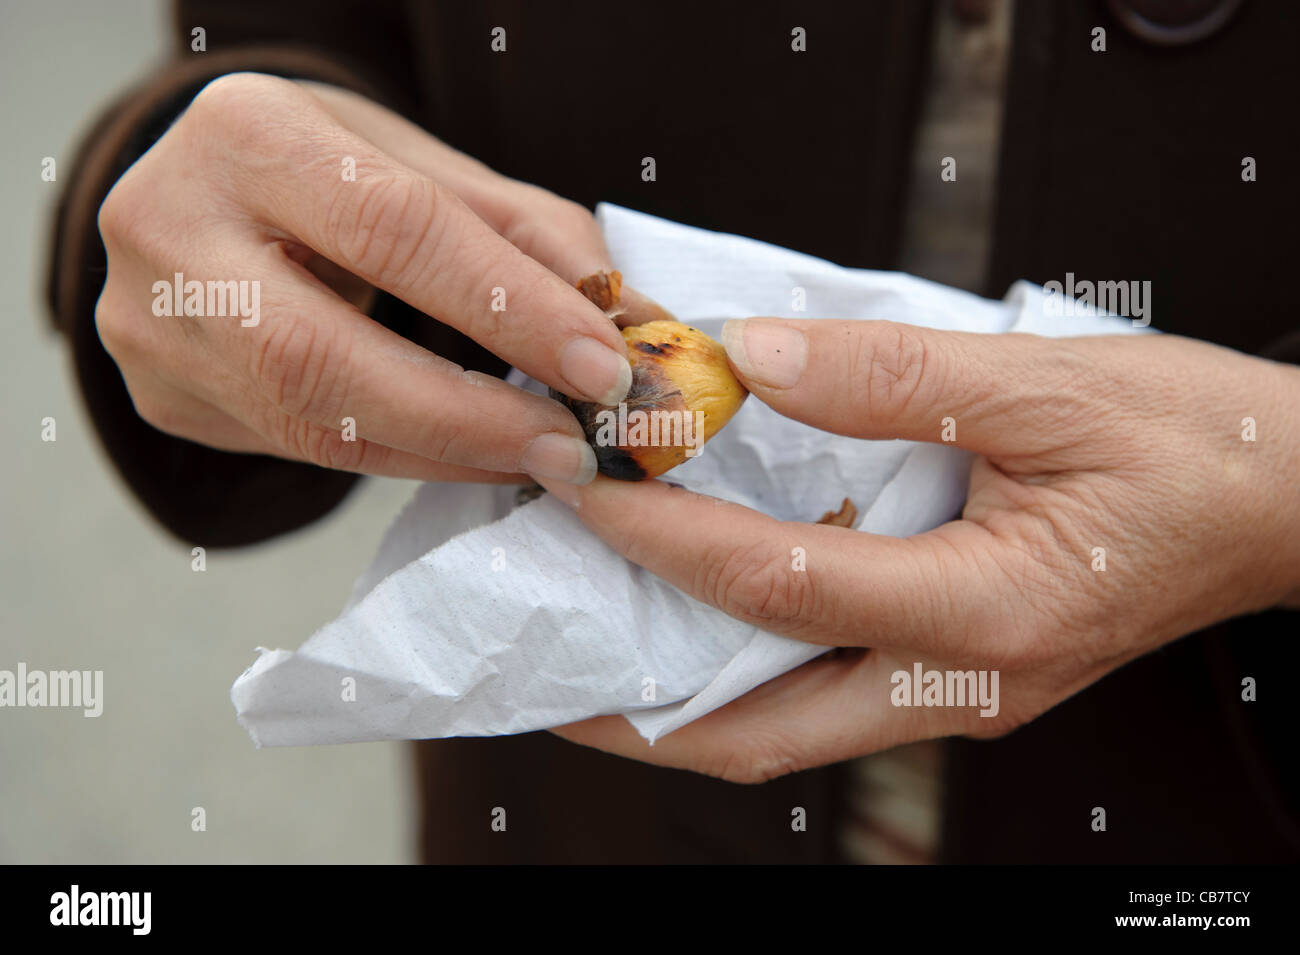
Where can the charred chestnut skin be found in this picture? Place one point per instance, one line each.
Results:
(675, 368)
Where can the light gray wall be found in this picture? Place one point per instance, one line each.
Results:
(88, 582)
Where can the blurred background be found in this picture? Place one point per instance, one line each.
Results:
(88, 582)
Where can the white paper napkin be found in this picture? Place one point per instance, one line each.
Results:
(478, 618)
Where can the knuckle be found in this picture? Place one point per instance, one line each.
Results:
(758, 761)
(739, 768)
(757, 583)
(136, 224)
(158, 414)
(1047, 604)
(556, 220)
(130, 335)
(540, 213)
(252, 126)
(385, 223)
(492, 269)
(116, 331)
(127, 218)
(238, 114)
(114, 219)
(999, 634)
(322, 446)
(449, 442)
(237, 96)
(220, 95)
(299, 366)
(888, 368)
(572, 216)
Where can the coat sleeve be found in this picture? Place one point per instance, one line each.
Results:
(200, 494)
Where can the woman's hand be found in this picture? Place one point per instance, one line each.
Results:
(319, 196)
(1128, 453)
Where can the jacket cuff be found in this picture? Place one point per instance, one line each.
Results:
(202, 495)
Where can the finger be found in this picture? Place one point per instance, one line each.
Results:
(315, 366)
(931, 593)
(338, 451)
(400, 231)
(871, 379)
(185, 415)
(560, 234)
(830, 709)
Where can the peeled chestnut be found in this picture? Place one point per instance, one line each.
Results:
(683, 391)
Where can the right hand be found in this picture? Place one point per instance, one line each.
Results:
(248, 185)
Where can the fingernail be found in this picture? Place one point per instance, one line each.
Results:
(765, 351)
(564, 493)
(560, 458)
(596, 370)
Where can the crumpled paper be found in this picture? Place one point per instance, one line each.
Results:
(479, 618)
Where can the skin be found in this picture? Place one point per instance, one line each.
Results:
(248, 185)
(1131, 443)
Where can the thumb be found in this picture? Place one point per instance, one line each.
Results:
(883, 380)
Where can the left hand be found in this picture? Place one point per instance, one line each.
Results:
(1133, 444)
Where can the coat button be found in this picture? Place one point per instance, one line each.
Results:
(1173, 22)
